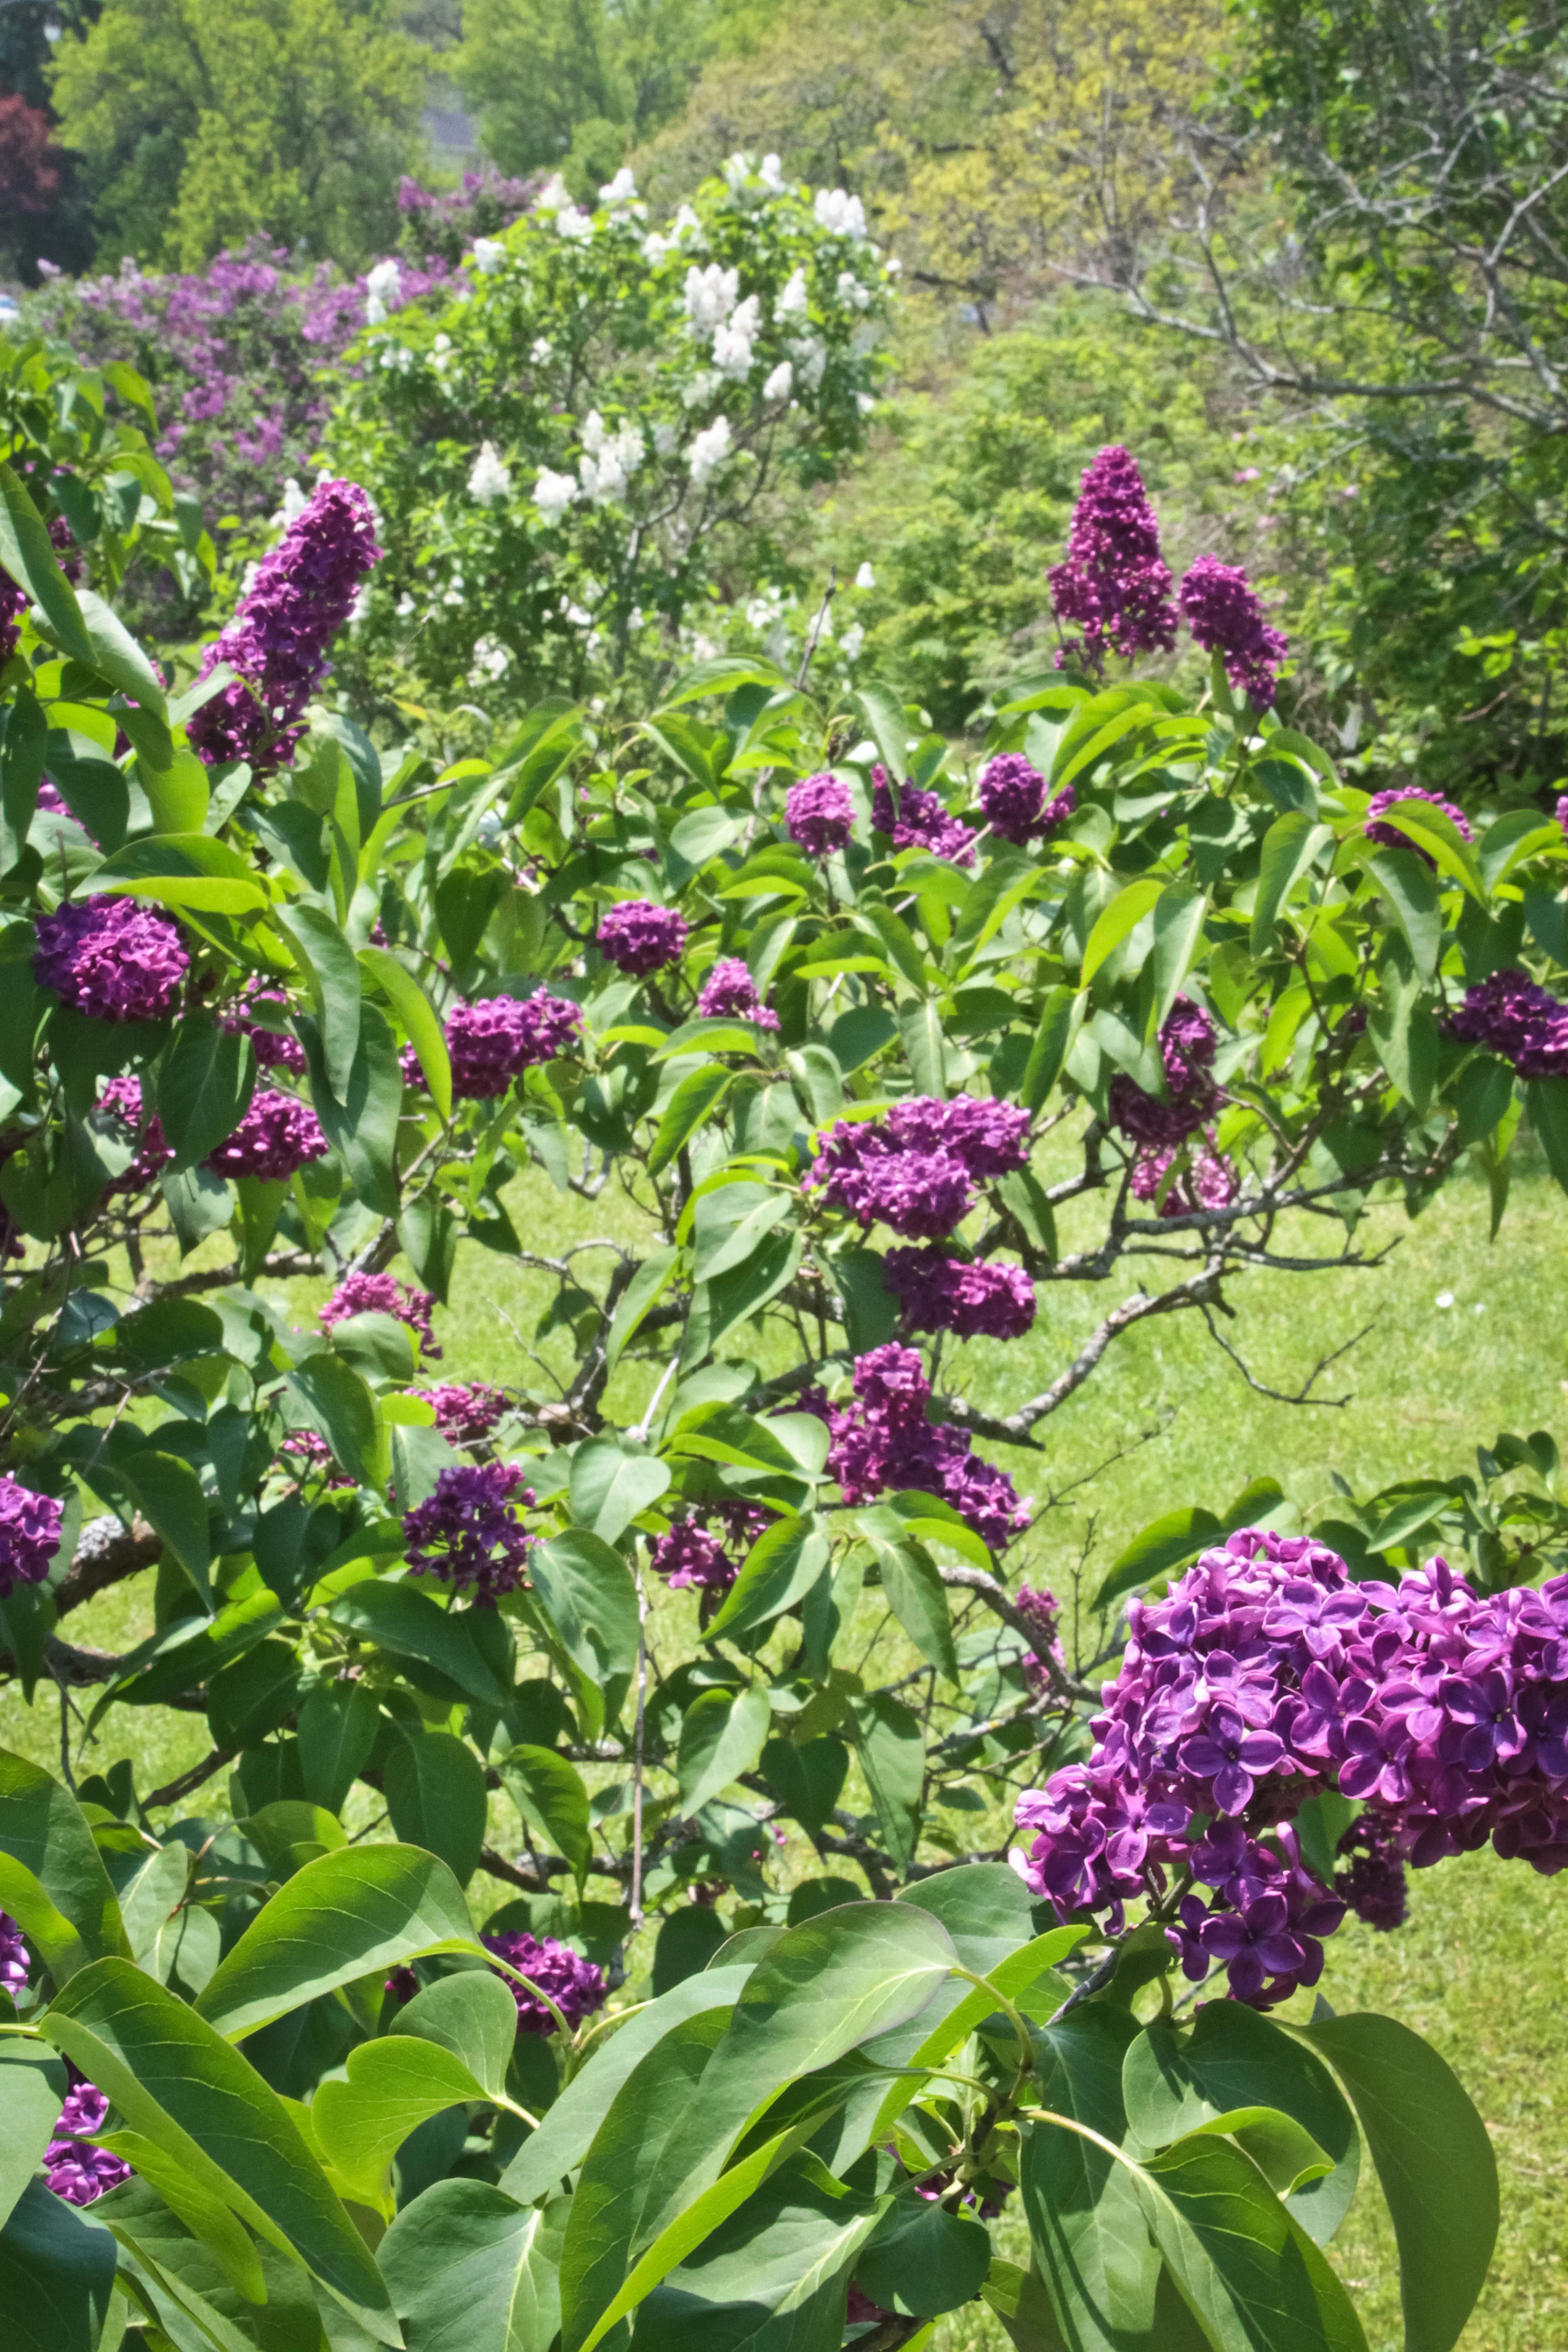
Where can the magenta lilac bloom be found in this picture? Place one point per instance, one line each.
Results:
(919, 820)
(576, 1986)
(1208, 1181)
(1224, 613)
(15, 1957)
(112, 958)
(73, 2168)
(641, 937)
(1514, 1017)
(30, 1534)
(494, 1040)
(1561, 813)
(382, 1294)
(1013, 800)
(1374, 1884)
(276, 1135)
(1114, 585)
(1042, 1612)
(729, 991)
(1267, 1672)
(883, 1442)
(1187, 1050)
(916, 1168)
(277, 643)
(465, 1411)
(121, 1100)
(973, 1299)
(1389, 835)
(819, 814)
(692, 1555)
(14, 603)
(468, 1532)
(274, 1048)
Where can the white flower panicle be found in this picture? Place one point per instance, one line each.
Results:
(811, 360)
(732, 341)
(851, 290)
(553, 493)
(711, 296)
(574, 224)
(865, 577)
(611, 458)
(708, 452)
(488, 479)
(294, 500)
(851, 642)
(781, 383)
(540, 350)
(491, 659)
(489, 255)
(383, 292)
(792, 302)
(771, 176)
(621, 190)
(839, 213)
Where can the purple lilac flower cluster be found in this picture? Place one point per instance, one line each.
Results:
(576, 1986)
(276, 1135)
(1208, 1181)
(1114, 583)
(1561, 813)
(1013, 800)
(274, 1048)
(972, 1299)
(494, 1040)
(111, 959)
(14, 603)
(1374, 1884)
(730, 992)
(1514, 1017)
(1389, 836)
(277, 643)
(883, 1442)
(73, 2168)
(819, 814)
(30, 1534)
(1265, 1673)
(1224, 613)
(917, 820)
(916, 1169)
(15, 1957)
(1187, 1050)
(640, 937)
(121, 1100)
(468, 1532)
(383, 1294)
(1042, 1611)
(692, 1555)
(465, 1411)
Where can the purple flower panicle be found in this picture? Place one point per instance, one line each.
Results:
(73, 2168)
(1512, 1015)
(973, 1299)
(919, 820)
(465, 1411)
(122, 1101)
(468, 1532)
(382, 1294)
(1013, 800)
(30, 1534)
(730, 992)
(1207, 1182)
(1187, 1050)
(14, 603)
(15, 1957)
(1224, 613)
(274, 1049)
(495, 1039)
(111, 959)
(1114, 583)
(576, 1986)
(916, 1169)
(1389, 836)
(693, 1556)
(1561, 813)
(819, 814)
(1374, 1884)
(276, 1135)
(640, 937)
(883, 1442)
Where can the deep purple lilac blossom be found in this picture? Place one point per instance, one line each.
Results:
(1013, 800)
(465, 1411)
(111, 959)
(883, 1442)
(1114, 583)
(274, 1048)
(1512, 1015)
(468, 1532)
(73, 2168)
(819, 814)
(1224, 613)
(121, 1100)
(693, 1556)
(30, 1534)
(919, 820)
(383, 1294)
(275, 1138)
(576, 1986)
(14, 603)
(495, 1039)
(972, 1299)
(1207, 1182)
(641, 937)
(916, 1169)
(1187, 1050)
(15, 1959)
(730, 992)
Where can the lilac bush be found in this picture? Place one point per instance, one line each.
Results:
(73, 2166)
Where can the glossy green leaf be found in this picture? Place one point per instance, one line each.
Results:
(205, 1084)
(547, 1791)
(25, 553)
(471, 2270)
(643, 1291)
(609, 1486)
(768, 2278)
(587, 1592)
(1411, 890)
(1117, 920)
(1054, 1035)
(698, 1094)
(393, 2086)
(892, 1757)
(787, 1558)
(57, 2274)
(338, 1406)
(169, 1495)
(332, 975)
(338, 1727)
(52, 1878)
(418, 1014)
(916, 1593)
(33, 2085)
(721, 1736)
(921, 2259)
(360, 1124)
(1290, 847)
(474, 2016)
(1092, 2248)
(435, 1797)
(1166, 1543)
(399, 1618)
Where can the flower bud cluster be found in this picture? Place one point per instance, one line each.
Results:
(1187, 1050)
(640, 937)
(382, 1294)
(917, 1168)
(883, 1444)
(111, 959)
(1042, 1611)
(494, 1040)
(1512, 1014)
(919, 820)
(274, 1140)
(1013, 800)
(468, 1532)
(1266, 1674)
(273, 1048)
(970, 1298)
(819, 814)
(730, 992)
(1114, 583)
(576, 1986)
(122, 1101)
(30, 1534)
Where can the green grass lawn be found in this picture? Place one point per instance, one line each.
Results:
(1482, 1966)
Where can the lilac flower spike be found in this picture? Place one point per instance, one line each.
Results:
(919, 820)
(1389, 835)
(576, 1986)
(729, 991)
(30, 1534)
(494, 1040)
(1187, 1050)
(1512, 1015)
(1114, 585)
(916, 1169)
(15, 1959)
(883, 1442)
(468, 1533)
(73, 2168)
(111, 959)
(819, 814)
(466, 1412)
(1224, 613)
(972, 1300)
(1013, 800)
(276, 1135)
(640, 937)
(382, 1294)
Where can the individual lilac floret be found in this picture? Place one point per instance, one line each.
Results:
(971, 1299)
(641, 937)
(884, 1442)
(1208, 1181)
(730, 992)
(1389, 835)
(465, 1411)
(73, 2168)
(468, 1532)
(302, 592)
(15, 1957)
(382, 1294)
(1114, 583)
(819, 814)
(274, 1048)
(494, 1040)
(1373, 1886)
(112, 958)
(576, 1986)
(276, 1135)
(1224, 613)
(1013, 800)
(916, 1169)
(1514, 1017)
(121, 1100)
(919, 820)
(30, 1534)
(1187, 1050)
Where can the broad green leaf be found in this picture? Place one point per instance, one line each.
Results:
(1166, 1543)
(699, 1093)
(332, 975)
(474, 2016)
(338, 1727)
(117, 657)
(25, 553)
(1059, 1016)
(57, 2271)
(339, 1407)
(986, 1909)
(471, 2270)
(644, 1291)
(892, 1757)
(33, 2085)
(199, 2205)
(365, 1909)
(787, 1558)
(52, 1878)
(921, 2259)
(436, 1796)
(418, 1014)
(916, 1593)
(399, 1618)
(170, 1497)
(1435, 2162)
(920, 1027)
(1020, 2302)
(178, 2082)
(360, 1124)
(587, 1592)
(1431, 829)
(393, 2086)
(1124, 913)
(722, 1735)
(547, 1791)
(1091, 2247)
(609, 1486)
(769, 2277)
(1411, 890)
(1179, 915)
(205, 1084)
(1290, 847)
